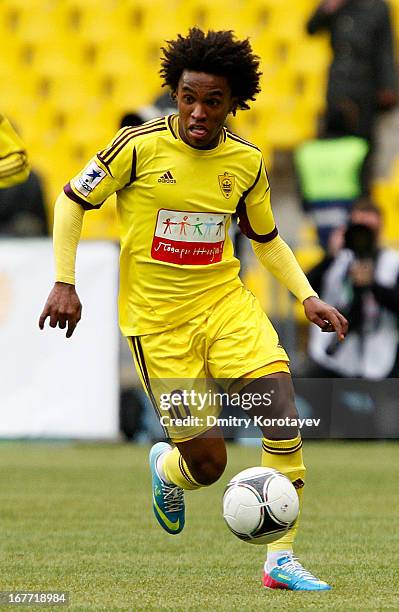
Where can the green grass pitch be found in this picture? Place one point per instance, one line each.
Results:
(79, 518)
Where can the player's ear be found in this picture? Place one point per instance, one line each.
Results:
(173, 95)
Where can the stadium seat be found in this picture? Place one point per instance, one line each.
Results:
(386, 195)
(287, 25)
(28, 22)
(72, 65)
(259, 282)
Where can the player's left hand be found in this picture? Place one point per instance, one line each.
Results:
(328, 318)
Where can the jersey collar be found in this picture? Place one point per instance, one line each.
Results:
(173, 124)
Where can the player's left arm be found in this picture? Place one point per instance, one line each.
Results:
(257, 223)
(278, 258)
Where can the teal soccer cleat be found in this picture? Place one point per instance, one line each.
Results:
(289, 574)
(167, 499)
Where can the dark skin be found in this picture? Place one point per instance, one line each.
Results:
(204, 102)
(63, 307)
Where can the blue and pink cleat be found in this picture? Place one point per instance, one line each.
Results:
(289, 574)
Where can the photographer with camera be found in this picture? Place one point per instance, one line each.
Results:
(360, 278)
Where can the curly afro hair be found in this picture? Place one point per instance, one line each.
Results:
(216, 53)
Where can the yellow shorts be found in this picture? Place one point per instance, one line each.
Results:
(233, 339)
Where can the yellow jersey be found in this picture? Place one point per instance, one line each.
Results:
(174, 205)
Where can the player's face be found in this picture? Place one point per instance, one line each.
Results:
(204, 101)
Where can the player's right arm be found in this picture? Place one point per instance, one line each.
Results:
(63, 306)
(107, 172)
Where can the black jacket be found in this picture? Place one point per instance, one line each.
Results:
(362, 43)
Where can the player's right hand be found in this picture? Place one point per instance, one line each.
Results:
(63, 307)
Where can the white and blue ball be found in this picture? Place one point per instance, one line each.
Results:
(260, 505)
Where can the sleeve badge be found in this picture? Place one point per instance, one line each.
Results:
(91, 176)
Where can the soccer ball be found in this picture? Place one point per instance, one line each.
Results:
(260, 505)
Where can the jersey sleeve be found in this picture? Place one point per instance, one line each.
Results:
(108, 171)
(254, 209)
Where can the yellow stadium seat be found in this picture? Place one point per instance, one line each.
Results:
(274, 297)
(311, 55)
(31, 6)
(307, 234)
(386, 195)
(73, 67)
(287, 25)
(125, 92)
(28, 21)
(300, 126)
(305, 7)
(309, 256)
(290, 121)
(394, 6)
(155, 20)
(395, 170)
(258, 281)
(217, 16)
(252, 125)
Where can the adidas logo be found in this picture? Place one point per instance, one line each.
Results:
(166, 178)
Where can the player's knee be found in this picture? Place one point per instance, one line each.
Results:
(207, 470)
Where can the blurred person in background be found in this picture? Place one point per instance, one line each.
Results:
(22, 207)
(329, 172)
(23, 210)
(362, 77)
(361, 278)
(14, 166)
(131, 119)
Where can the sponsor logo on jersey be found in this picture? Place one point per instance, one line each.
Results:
(226, 184)
(298, 484)
(89, 179)
(166, 178)
(193, 238)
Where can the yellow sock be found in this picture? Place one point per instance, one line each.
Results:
(286, 457)
(176, 471)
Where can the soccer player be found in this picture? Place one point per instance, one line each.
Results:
(14, 167)
(182, 305)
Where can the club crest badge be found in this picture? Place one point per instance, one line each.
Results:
(226, 184)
